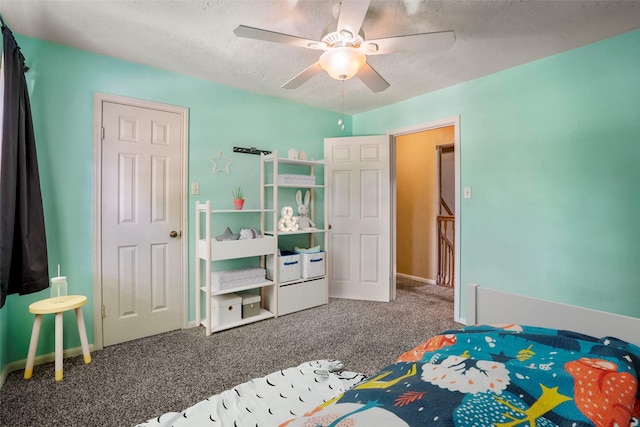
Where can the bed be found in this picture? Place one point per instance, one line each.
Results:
(556, 373)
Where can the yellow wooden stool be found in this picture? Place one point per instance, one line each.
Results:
(57, 305)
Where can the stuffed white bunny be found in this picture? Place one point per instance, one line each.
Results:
(303, 209)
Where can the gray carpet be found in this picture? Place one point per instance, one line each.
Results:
(132, 382)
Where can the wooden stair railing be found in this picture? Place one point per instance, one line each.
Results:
(446, 249)
(445, 206)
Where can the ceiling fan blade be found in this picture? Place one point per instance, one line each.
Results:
(352, 14)
(272, 36)
(424, 42)
(302, 77)
(372, 79)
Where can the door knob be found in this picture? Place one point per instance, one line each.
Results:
(173, 234)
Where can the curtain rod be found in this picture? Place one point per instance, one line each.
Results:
(26, 68)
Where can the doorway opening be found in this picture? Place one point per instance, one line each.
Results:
(417, 206)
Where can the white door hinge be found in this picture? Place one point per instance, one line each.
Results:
(102, 133)
(102, 312)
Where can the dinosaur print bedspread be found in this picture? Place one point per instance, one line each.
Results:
(495, 376)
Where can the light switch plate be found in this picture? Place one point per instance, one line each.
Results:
(195, 188)
(467, 192)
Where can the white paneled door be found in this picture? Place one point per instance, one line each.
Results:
(141, 219)
(357, 174)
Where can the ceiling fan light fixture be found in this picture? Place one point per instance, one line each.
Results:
(343, 62)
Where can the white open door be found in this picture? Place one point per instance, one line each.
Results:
(357, 176)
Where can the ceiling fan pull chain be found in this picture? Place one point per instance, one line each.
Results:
(340, 120)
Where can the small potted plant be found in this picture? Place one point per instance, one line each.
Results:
(238, 198)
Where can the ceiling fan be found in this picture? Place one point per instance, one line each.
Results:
(345, 48)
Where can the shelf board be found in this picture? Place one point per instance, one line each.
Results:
(202, 207)
(264, 314)
(296, 186)
(240, 211)
(239, 288)
(287, 233)
(285, 161)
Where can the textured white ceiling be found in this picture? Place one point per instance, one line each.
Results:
(196, 38)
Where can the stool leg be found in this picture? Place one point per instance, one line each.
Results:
(33, 346)
(59, 346)
(82, 330)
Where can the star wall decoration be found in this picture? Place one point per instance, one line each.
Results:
(219, 159)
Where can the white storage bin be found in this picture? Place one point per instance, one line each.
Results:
(290, 179)
(288, 267)
(229, 279)
(227, 308)
(312, 265)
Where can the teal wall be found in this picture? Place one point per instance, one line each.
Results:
(62, 82)
(551, 150)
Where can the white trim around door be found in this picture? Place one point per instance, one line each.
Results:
(449, 121)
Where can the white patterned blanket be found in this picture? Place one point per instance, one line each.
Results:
(267, 401)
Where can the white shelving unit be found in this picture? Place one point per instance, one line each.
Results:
(208, 250)
(302, 293)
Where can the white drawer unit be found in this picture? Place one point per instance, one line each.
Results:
(301, 295)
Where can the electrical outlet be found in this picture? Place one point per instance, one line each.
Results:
(195, 188)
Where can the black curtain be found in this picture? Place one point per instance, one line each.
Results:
(23, 245)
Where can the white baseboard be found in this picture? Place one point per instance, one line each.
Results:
(3, 375)
(417, 279)
(39, 360)
(192, 324)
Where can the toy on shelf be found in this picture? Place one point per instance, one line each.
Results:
(227, 235)
(248, 233)
(303, 208)
(288, 222)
